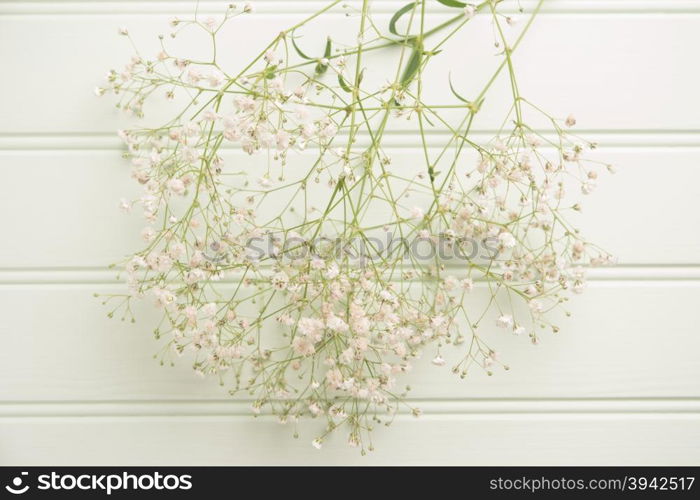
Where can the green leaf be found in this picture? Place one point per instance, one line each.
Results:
(343, 84)
(449, 79)
(321, 68)
(432, 173)
(474, 107)
(397, 15)
(453, 3)
(296, 47)
(413, 64)
(269, 72)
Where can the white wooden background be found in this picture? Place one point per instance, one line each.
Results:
(620, 384)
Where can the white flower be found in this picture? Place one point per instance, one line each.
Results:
(360, 344)
(307, 132)
(438, 321)
(148, 233)
(469, 11)
(136, 263)
(505, 321)
(507, 240)
(317, 443)
(282, 140)
(347, 356)
(177, 250)
(193, 76)
(163, 263)
(533, 141)
(310, 327)
(244, 103)
(271, 57)
(332, 271)
(163, 297)
(450, 283)
(210, 23)
(328, 131)
(536, 306)
(124, 205)
(285, 319)
(276, 85)
(337, 324)
(209, 310)
(438, 361)
(587, 187)
(194, 276)
(215, 79)
(361, 325)
(280, 280)
(417, 213)
(176, 186)
(499, 145)
(303, 346)
(210, 115)
(334, 378)
(570, 121)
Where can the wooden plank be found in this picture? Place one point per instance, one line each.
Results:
(609, 81)
(625, 340)
(489, 439)
(66, 205)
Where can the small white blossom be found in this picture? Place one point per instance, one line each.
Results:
(505, 321)
(332, 271)
(148, 233)
(438, 361)
(417, 213)
(176, 186)
(507, 240)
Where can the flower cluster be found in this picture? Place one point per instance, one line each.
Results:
(324, 323)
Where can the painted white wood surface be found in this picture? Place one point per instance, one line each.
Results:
(642, 214)
(619, 384)
(468, 439)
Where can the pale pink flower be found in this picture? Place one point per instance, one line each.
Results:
(438, 361)
(505, 321)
